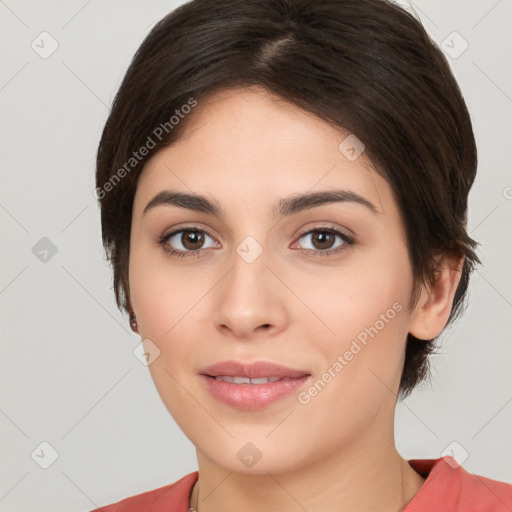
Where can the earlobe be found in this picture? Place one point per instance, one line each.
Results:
(132, 317)
(431, 314)
(133, 323)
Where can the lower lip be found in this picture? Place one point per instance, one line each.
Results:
(252, 396)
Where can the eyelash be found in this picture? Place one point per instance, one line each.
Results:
(316, 252)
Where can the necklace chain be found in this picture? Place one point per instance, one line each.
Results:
(192, 509)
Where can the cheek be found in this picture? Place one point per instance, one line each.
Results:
(359, 325)
(162, 291)
(171, 313)
(360, 365)
(345, 301)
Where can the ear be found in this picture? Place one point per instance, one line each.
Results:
(430, 315)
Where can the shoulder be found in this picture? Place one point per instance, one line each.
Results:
(451, 488)
(484, 494)
(157, 500)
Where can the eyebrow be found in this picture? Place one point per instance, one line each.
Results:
(287, 206)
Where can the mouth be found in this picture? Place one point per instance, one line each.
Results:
(252, 386)
(247, 380)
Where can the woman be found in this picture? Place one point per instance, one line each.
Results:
(283, 188)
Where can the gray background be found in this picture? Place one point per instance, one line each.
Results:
(68, 374)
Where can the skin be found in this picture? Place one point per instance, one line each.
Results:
(247, 149)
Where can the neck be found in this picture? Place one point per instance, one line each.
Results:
(358, 478)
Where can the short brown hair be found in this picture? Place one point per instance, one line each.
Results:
(366, 66)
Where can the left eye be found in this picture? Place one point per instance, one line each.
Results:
(323, 238)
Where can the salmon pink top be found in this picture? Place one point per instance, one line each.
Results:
(447, 488)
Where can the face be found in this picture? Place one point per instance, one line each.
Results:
(319, 288)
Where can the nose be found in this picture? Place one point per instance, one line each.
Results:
(250, 299)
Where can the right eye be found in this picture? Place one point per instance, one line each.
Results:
(190, 238)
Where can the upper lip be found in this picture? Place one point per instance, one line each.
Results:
(254, 370)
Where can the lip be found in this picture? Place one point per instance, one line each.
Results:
(252, 396)
(254, 370)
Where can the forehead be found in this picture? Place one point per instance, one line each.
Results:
(247, 146)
